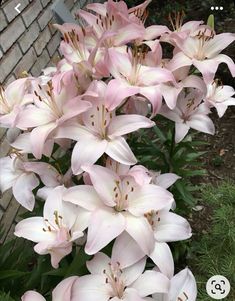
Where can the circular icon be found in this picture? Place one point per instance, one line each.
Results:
(218, 287)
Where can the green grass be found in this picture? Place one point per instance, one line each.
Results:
(213, 252)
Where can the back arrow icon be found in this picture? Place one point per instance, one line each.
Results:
(17, 8)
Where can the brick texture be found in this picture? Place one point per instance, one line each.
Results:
(28, 42)
(10, 59)
(29, 36)
(11, 34)
(26, 63)
(42, 40)
(3, 22)
(31, 13)
(9, 8)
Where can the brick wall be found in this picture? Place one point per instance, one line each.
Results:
(27, 43)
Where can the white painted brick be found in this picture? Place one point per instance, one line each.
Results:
(3, 22)
(54, 43)
(2, 132)
(10, 79)
(83, 3)
(11, 34)
(9, 8)
(4, 149)
(8, 217)
(20, 212)
(5, 199)
(41, 63)
(42, 41)
(45, 2)
(1, 213)
(45, 18)
(31, 13)
(26, 63)
(69, 3)
(9, 61)
(29, 36)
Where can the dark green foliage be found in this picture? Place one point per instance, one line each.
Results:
(212, 252)
(5, 297)
(21, 269)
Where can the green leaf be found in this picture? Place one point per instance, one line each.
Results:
(159, 133)
(193, 173)
(5, 297)
(78, 265)
(12, 274)
(211, 21)
(58, 272)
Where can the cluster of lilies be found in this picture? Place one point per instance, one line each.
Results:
(112, 81)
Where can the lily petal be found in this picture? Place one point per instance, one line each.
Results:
(117, 91)
(124, 124)
(151, 282)
(22, 190)
(119, 150)
(32, 296)
(91, 288)
(84, 196)
(163, 258)
(32, 228)
(140, 230)
(104, 181)
(149, 197)
(128, 255)
(87, 151)
(105, 225)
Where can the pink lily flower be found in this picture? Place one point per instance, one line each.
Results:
(164, 180)
(82, 50)
(16, 174)
(171, 92)
(110, 281)
(167, 227)
(118, 205)
(12, 101)
(138, 172)
(56, 230)
(189, 113)
(131, 77)
(48, 113)
(182, 287)
(23, 144)
(180, 30)
(203, 51)
(102, 132)
(220, 97)
(112, 17)
(32, 296)
(62, 292)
